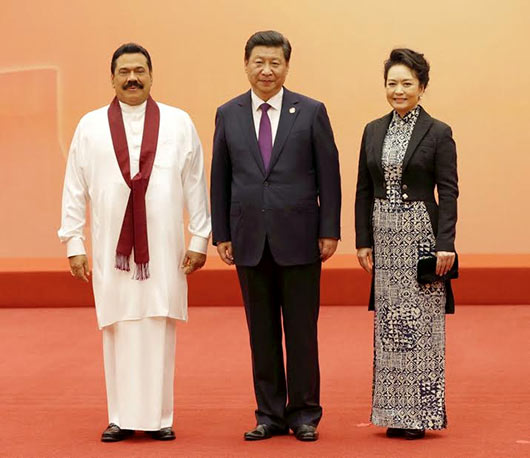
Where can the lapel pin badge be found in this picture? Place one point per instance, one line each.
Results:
(292, 110)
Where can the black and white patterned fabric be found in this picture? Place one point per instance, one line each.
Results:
(409, 340)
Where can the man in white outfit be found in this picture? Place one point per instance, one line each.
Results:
(138, 163)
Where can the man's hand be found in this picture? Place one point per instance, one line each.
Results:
(193, 261)
(327, 247)
(364, 256)
(79, 267)
(444, 262)
(225, 252)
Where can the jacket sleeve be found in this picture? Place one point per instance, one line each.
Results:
(446, 179)
(364, 198)
(220, 183)
(328, 175)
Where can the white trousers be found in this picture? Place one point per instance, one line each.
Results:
(139, 358)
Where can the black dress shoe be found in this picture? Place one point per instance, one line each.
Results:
(261, 432)
(306, 433)
(395, 432)
(412, 434)
(114, 433)
(164, 434)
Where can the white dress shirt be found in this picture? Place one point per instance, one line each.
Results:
(274, 111)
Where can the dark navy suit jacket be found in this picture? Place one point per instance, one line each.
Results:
(293, 203)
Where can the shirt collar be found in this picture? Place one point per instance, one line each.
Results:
(133, 108)
(275, 102)
(409, 118)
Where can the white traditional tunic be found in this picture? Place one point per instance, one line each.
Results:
(177, 181)
(139, 358)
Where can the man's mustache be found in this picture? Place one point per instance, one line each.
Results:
(133, 84)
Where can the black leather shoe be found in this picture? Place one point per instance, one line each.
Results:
(412, 434)
(395, 432)
(261, 432)
(306, 433)
(114, 433)
(164, 434)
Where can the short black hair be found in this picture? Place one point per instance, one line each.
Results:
(411, 59)
(130, 48)
(269, 38)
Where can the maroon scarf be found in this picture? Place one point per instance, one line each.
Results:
(134, 228)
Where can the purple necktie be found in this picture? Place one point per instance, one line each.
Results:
(265, 135)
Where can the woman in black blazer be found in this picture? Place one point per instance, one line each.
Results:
(404, 157)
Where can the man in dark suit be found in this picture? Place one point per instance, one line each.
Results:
(275, 193)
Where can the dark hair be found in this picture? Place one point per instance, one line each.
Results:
(411, 59)
(130, 48)
(268, 38)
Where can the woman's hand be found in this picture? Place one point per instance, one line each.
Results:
(364, 255)
(444, 262)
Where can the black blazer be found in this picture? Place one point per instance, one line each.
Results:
(293, 203)
(429, 162)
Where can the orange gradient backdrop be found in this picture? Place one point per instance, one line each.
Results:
(55, 68)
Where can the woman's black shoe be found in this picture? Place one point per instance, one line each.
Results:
(409, 434)
(412, 434)
(395, 432)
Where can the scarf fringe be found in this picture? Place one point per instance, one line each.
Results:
(122, 262)
(142, 271)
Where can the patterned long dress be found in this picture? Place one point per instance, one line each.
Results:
(409, 341)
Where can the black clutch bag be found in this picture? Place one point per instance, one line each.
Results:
(427, 270)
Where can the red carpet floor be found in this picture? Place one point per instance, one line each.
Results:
(52, 393)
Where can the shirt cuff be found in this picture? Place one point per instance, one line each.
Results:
(75, 247)
(198, 244)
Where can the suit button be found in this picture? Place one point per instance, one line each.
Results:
(404, 187)
(266, 183)
(405, 196)
(262, 210)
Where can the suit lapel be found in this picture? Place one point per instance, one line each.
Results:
(246, 121)
(288, 115)
(379, 138)
(420, 129)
